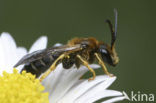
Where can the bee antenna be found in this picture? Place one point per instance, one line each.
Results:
(113, 30)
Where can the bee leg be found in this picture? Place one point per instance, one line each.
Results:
(103, 65)
(87, 65)
(52, 67)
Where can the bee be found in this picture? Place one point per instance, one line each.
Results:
(78, 51)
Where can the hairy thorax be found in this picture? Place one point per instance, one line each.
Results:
(89, 46)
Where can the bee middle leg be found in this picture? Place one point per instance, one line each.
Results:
(52, 67)
(87, 65)
(103, 65)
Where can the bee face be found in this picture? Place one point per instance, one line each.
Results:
(108, 55)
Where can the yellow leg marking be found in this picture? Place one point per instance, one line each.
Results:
(52, 67)
(86, 64)
(103, 65)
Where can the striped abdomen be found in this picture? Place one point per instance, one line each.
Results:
(39, 66)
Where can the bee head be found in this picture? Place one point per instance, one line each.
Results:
(108, 53)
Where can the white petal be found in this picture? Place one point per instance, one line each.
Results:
(66, 79)
(90, 98)
(86, 88)
(41, 43)
(2, 57)
(81, 88)
(21, 51)
(8, 52)
(115, 99)
(51, 80)
(99, 87)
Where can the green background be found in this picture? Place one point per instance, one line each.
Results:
(62, 20)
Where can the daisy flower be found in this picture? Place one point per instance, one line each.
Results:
(61, 86)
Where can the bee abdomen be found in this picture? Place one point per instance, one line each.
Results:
(39, 66)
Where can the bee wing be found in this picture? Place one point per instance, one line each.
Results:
(64, 48)
(30, 57)
(36, 55)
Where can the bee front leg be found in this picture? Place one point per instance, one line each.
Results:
(87, 65)
(103, 65)
(52, 67)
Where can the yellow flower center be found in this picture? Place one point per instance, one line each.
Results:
(21, 88)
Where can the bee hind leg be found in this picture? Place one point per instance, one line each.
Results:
(85, 63)
(52, 67)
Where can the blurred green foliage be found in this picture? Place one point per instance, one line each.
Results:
(62, 20)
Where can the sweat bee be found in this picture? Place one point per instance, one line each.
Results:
(78, 51)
